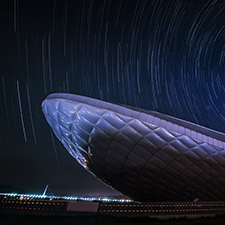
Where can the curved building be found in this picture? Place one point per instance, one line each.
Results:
(145, 155)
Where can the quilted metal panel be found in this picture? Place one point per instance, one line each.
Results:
(147, 159)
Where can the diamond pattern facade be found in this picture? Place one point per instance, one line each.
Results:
(143, 154)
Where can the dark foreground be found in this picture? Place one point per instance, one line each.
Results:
(9, 219)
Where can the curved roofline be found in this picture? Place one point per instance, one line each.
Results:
(169, 122)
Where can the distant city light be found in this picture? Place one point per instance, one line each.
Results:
(91, 199)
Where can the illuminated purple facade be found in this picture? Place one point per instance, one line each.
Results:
(145, 155)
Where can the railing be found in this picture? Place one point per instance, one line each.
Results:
(162, 207)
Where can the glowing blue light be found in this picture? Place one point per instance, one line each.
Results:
(91, 199)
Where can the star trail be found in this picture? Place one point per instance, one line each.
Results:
(167, 56)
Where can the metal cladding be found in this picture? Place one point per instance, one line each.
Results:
(143, 154)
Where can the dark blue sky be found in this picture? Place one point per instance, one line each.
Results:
(166, 56)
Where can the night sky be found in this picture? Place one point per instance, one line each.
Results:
(162, 55)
